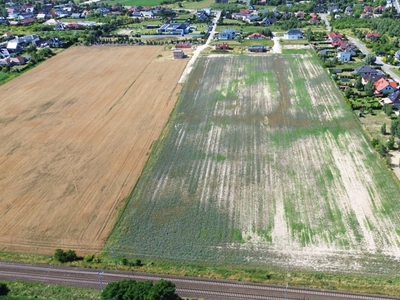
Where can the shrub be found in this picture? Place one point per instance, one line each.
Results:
(63, 256)
(4, 290)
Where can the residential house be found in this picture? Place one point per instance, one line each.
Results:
(383, 86)
(313, 21)
(300, 14)
(368, 9)
(227, 34)
(293, 34)
(269, 20)
(367, 70)
(373, 77)
(223, 46)
(147, 14)
(345, 45)
(179, 54)
(372, 36)
(395, 99)
(76, 16)
(397, 55)
(175, 28)
(52, 42)
(335, 38)
(344, 56)
(256, 36)
(348, 10)
(4, 53)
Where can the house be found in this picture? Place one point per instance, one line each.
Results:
(41, 16)
(76, 16)
(269, 20)
(179, 54)
(175, 28)
(372, 36)
(394, 99)
(223, 46)
(368, 9)
(299, 15)
(4, 53)
(52, 42)
(383, 86)
(367, 70)
(147, 14)
(344, 56)
(256, 36)
(313, 21)
(397, 55)
(182, 45)
(348, 10)
(7, 36)
(293, 34)
(257, 48)
(373, 78)
(345, 45)
(14, 47)
(27, 21)
(227, 34)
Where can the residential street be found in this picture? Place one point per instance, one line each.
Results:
(198, 50)
(385, 67)
(324, 17)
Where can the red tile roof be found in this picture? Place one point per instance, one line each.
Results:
(381, 84)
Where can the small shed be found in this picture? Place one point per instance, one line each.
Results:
(179, 54)
(257, 48)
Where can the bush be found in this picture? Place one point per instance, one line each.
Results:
(4, 290)
(63, 256)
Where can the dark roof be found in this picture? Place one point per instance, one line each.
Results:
(373, 77)
(366, 69)
(294, 31)
(395, 96)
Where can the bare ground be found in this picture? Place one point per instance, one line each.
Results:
(76, 132)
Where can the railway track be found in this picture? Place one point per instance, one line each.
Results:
(185, 286)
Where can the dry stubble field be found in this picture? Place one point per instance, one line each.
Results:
(75, 134)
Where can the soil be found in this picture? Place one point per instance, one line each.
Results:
(76, 132)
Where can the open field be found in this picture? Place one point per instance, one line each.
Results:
(264, 166)
(75, 134)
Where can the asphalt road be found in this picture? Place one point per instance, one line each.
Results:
(364, 50)
(186, 286)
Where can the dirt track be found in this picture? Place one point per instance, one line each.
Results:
(76, 132)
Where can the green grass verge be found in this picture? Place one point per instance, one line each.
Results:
(383, 285)
(22, 290)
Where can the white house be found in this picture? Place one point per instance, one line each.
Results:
(293, 34)
(344, 56)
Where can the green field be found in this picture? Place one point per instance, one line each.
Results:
(263, 166)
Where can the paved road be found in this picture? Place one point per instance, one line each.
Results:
(324, 17)
(364, 50)
(186, 286)
(198, 50)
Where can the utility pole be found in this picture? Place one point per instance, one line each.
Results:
(287, 280)
(99, 278)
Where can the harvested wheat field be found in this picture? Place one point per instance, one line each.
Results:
(75, 134)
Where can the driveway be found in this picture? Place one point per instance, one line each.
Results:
(277, 48)
(385, 67)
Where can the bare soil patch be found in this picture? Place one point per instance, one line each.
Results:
(76, 132)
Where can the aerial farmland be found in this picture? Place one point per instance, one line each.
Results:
(262, 163)
(75, 134)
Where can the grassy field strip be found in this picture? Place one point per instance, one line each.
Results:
(264, 165)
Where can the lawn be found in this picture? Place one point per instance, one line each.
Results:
(264, 166)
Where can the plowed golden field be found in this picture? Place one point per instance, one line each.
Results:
(75, 134)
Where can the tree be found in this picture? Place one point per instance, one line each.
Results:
(370, 59)
(4, 290)
(131, 289)
(358, 84)
(390, 143)
(395, 127)
(383, 151)
(383, 129)
(369, 88)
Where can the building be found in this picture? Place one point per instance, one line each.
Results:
(367, 70)
(344, 56)
(383, 86)
(223, 46)
(256, 36)
(179, 54)
(175, 28)
(293, 34)
(257, 48)
(227, 34)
